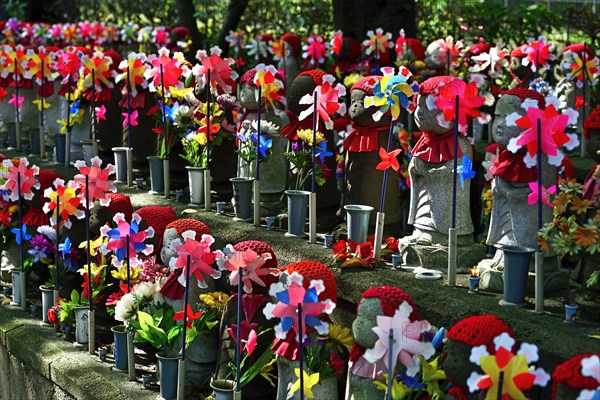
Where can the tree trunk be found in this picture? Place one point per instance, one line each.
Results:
(185, 17)
(356, 17)
(235, 10)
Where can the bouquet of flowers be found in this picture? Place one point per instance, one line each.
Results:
(301, 159)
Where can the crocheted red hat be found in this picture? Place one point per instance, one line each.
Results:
(260, 248)
(181, 32)
(431, 85)
(569, 373)
(312, 270)
(119, 203)
(417, 48)
(479, 48)
(523, 94)
(366, 84)
(46, 178)
(579, 48)
(248, 78)
(294, 42)
(158, 217)
(188, 224)
(315, 74)
(391, 298)
(592, 122)
(115, 57)
(479, 330)
(517, 53)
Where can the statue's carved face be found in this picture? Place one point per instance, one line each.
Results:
(501, 132)
(426, 116)
(248, 95)
(457, 366)
(366, 320)
(432, 56)
(167, 251)
(516, 66)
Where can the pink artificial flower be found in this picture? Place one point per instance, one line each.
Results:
(17, 102)
(100, 113)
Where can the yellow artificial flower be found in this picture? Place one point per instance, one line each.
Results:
(121, 273)
(399, 390)
(39, 104)
(431, 377)
(306, 135)
(94, 245)
(418, 64)
(309, 382)
(96, 269)
(214, 299)
(200, 138)
(267, 372)
(180, 93)
(341, 336)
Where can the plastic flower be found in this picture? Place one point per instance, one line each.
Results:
(98, 183)
(306, 135)
(580, 206)
(406, 341)
(130, 119)
(538, 53)
(469, 101)
(94, 245)
(377, 42)
(221, 74)
(120, 273)
(287, 304)
(188, 317)
(533, 196)
(40, 103)
(249, 263)
(465, 170)
(248, 334)
(67, 200)
(308, 380)
(214, 299)
(118, 238)
(341, 336)
(586, 237)
(28, 180)
(201, 257)
(392, 93)
(328, 101)
(16, 101)
(518, 376)
(388, 160)
(270, 86)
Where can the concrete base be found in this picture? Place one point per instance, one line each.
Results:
(554, 281)
(436, 256)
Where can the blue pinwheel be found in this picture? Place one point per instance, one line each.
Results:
(465, 170)
(170, 111)
(74, 107)
(322, 151)
(21, 234)
(118, 237)
(264, 145)
(65, 247)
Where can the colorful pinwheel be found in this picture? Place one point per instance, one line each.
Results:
(34, 65)
(222, 75)
(308, 382)
(21, 235)
(537, 53)
(28, 180)
(130, 119)
(315, 50)
(388, 160)
(449, 48)
(469, 101)
(493, 62)
(67, 199)
(406, 341)
(377, 42)
(98, 183)
(136, 63)
(328, 101)
(201, 257)
(533, 196)
(582, 71)
(99, 64)
(465, 170)
(271, 87)
(392, 93)
(100, 113)
(171, 70)
(287, 304)
(191, 315)
(257, 48)
(517, 375)
(249, 262)
(118, 238)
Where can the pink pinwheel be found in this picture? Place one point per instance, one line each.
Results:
(288, 301)
(337, 42)
(171, 70)
(100, 113)
(249, 262)
(69, 64)
(28, 180)
(221, 74)
(533, 196)
(377, 43)
(469, 102)
(118, 239)
(328, 101)
(406, 341)
(201, 257)
(538, 53)
(98, 183)
(130, 119)
(315, 50)
(388, 160)
(16, 101)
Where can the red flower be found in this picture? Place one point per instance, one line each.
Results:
(340, 250)
(52, 316)
(391, 244)
(338, 365)
(179, 316)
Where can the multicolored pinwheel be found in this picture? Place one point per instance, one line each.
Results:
(98, 183)
(66, 197)
(11, 188)
(469, 102)
(171, 70)
(328, 101)
(288, 300)
(21, 234)
(518, 376)
(537, 53)
(494, 62)
(136, 63)
(118, 239)
(34, 65)
(584, 71)
(392, 93)
(377, 42)
(222, 75)
(99, 64)
(315, 50)
(249, 262)
(271, 87)
(201, 257)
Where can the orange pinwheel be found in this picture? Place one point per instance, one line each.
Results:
(388, 159)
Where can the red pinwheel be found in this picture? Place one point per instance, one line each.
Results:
(469, 102)
(201, 257)
(221, 74)
(28, 180)
(191, 315)
(328, 101)
(69, 64)
(249, 263)
(171, 70)
(388, 159)
(98, 183)
(538, 53)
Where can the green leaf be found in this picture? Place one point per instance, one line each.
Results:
(255, 368)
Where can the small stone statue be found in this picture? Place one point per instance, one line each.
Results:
(522, 74)
(379, 300)
(461, 338)
(289, 63)
(591, 130)
(576, 375)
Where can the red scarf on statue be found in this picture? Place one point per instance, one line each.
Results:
(290, 131)
(363, 138)
(510, 167)
(435, 148)
(591, 185)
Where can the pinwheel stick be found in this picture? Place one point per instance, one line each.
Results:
(91, 315)
(452, 229)
(207, 199)
(42, 117)
(57, 257)
(93, 105)
(128, 108)
(539, 255)
(500, 384)
(301, 351)
(181, 369)
(162, 95)
(128, 263)
(312, 200)
(390, 364)
(17, 109)
(68, 133)
(584, 81)
(257, 180)
(238, 347)
(381, 214)
(22, 284)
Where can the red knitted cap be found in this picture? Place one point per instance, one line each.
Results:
(115, 57)
(569, 373)
(579, 48)
(312, 270)
(431, 85)
(592, 122)
(391, 298)
(181, 32)
(248, 77)
(517, 53)
(46, 178)
(479, 330)
(479, 48)
(260, 248)
(523, 94)
(293, 41)
(188, 224)
(315, 74)
(158, 217)
(366, 84)
(417, 48)
(492, 148)
(119, 203)
(265, 37)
